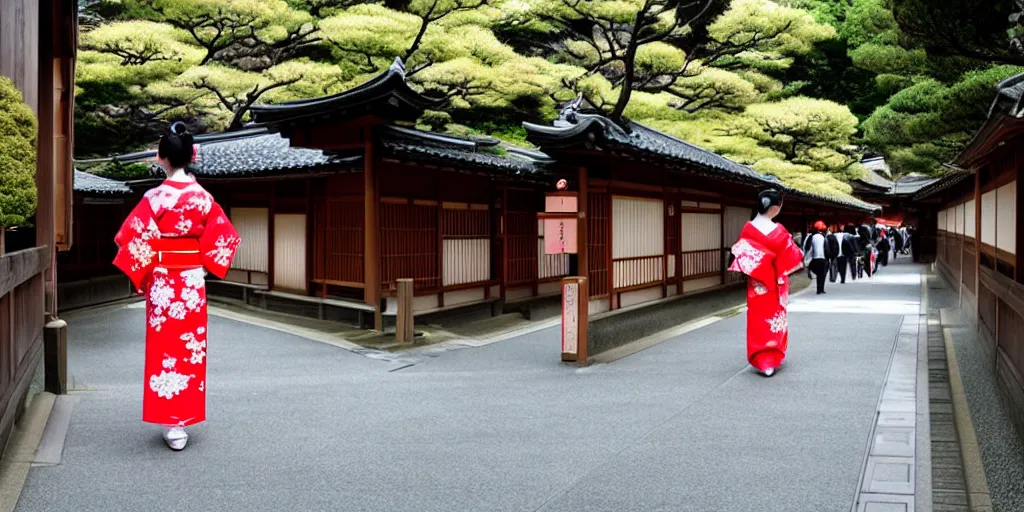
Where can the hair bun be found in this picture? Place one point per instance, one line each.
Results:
(178, 128)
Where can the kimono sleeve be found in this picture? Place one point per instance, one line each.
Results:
(218, 242)
(790, 258)
(754, 260)
(135, 256)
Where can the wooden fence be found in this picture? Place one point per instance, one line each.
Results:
(22, 316)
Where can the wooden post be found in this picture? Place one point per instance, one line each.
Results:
(371, 231)
(575, 319)
(504, 239)
(56, 356)
(45, 220)
(1018, 272)
(310, 237)
(666, 227)
(977, 244)
(271, 227)
(440, 241)
(721, 240)
(404, 330)
(582, 228)
(608, 249)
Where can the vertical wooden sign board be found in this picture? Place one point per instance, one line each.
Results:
(575, 305)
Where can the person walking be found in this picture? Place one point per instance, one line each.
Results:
(884, 248)
(867, 248)
(766, 253)
(837, 242)
(852, 250)
(818, 255)
(898, 240)
(166, 245)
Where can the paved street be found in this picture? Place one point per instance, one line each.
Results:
(300, 425)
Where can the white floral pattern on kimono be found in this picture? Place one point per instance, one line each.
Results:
(747, 257)
(779, 322)
(168, 384)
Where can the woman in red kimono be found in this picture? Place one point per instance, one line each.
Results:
(165, 247)
(766, 253)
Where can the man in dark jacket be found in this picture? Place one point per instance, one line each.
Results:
(839, 247)
(866, 247)
(897, 237)
(884, 248)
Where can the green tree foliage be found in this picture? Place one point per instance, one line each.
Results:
(17, 157)
(977, 29)
(795, 88)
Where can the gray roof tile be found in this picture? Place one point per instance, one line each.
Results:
(258, 155)
(92, 184)
(484, 155)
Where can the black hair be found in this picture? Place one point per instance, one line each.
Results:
(768, 198)
(176, 145)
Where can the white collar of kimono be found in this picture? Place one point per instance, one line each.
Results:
(164, 196)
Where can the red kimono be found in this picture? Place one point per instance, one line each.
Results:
(165, 246)
(767, 260)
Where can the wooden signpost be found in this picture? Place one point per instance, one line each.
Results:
(561, 219)
(575, 301)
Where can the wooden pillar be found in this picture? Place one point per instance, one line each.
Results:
(977, 244)
(440, 242)
(1018, 271)
(721, 242)
(666, 227)
(504, 239)
(271, 217)
(371, 230)
(609, 254)
(310, 237)
(404, 321)
(45, 220)
(582, 230)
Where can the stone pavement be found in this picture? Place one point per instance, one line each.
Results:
(684, 426)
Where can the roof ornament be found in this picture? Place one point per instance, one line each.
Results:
(567, 117)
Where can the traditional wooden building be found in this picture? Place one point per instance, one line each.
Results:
(460, 216)
(38, 41)
(979, 249)
(894, 196)
(337, 198)
(86, 274)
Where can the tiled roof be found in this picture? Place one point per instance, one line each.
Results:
(595, 129)
(485, 154)
(911, 184)
(1005, 112)
(262, 154)
(937, 185)
(387, 95)
(874, 178)
(92, 184)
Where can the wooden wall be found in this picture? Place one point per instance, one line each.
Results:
(37, 49)
(19, 47)
(978, 252)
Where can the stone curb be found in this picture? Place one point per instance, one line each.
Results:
(21, 450)
(974, 470)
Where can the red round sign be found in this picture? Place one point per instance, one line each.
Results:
(562, 184)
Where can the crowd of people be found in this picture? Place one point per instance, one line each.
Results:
(861, 250)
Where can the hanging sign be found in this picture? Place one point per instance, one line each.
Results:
(560, 220)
